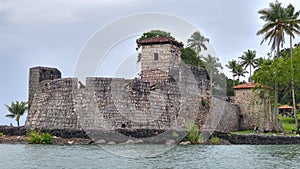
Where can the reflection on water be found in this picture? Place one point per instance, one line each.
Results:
(196, 156)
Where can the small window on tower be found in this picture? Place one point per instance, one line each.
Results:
(155, 56)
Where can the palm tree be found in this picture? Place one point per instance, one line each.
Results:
(197, 42)
(240, 71)
(248, 59)
(294, 27)
(211, 65)
(276, 24)
(16, 110)
(233, 66)
(273, 30)
(258, 62)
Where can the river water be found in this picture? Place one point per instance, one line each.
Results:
(192, 156)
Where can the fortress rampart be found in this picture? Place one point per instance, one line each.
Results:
(168, 95)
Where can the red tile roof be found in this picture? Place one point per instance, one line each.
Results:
(285, 107)
(249, 85)
(160, 40)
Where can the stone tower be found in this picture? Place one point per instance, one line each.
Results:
(38, 74)
(160, 59)
(254, 107)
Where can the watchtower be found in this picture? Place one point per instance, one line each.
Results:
(38, 74)
(160, 59)
(254, 107)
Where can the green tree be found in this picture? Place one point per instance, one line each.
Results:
(197, 42)
(16, 110)
(229, 89)
(276, 19)
(189, 56)
(248, 59)
(296, 53)
(219, 84)
(271, 71)
(240, 71)
(212, 65)
(273, 30)
(259, 62)
(232, 65)
(293, 27)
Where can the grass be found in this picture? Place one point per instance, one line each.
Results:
(288, 124)
(243, 132)
(1, 134)
(193, 134)
(175, 135)
(215, 140)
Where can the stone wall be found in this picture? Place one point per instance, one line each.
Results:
(111, 103)
(223, 116)
(255, 109)
(131, 103)
(114, 103)
(53, 105)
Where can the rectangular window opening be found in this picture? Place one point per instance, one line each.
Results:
(155, 56)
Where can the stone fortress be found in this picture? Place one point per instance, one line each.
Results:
(168, 94)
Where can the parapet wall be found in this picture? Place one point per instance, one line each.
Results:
(127, 103)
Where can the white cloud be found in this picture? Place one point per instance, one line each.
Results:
(37, 11)
(53, 11)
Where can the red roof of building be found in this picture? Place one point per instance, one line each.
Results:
(160, 40)
(285, 107)
(249, 85)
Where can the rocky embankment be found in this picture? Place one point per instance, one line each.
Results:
(257, 139)
(19, 135)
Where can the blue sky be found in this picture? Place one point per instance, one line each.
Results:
(53, 32)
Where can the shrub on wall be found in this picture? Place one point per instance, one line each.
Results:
(204, 102)
(193, 132)
(36, 137)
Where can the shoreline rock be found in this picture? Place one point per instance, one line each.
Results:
(5, 139)
(18, 135)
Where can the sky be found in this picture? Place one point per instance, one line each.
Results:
(55, 32)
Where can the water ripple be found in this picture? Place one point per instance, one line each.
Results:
(194, 156)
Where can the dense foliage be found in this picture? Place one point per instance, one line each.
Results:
(279, 69)
(190, 57)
